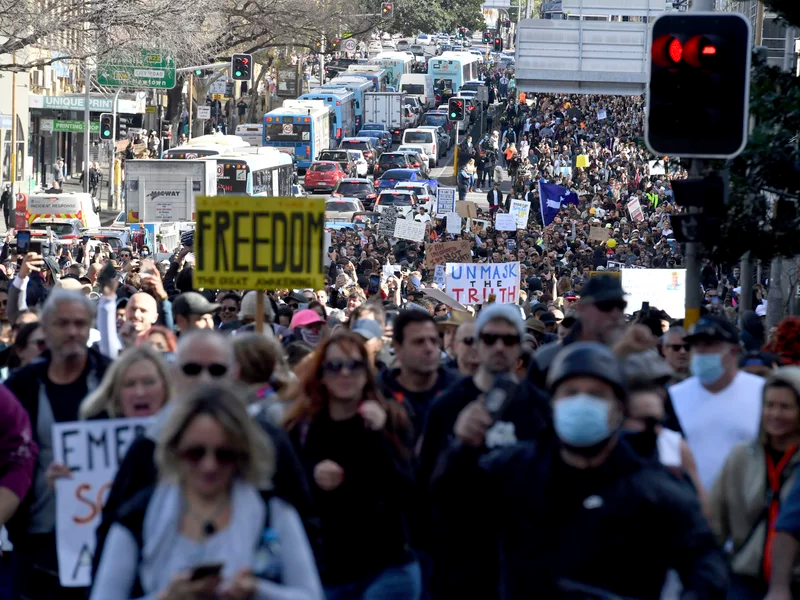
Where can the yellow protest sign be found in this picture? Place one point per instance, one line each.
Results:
(257, 243)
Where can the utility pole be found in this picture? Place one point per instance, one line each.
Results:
(87, 75)
(190, 89)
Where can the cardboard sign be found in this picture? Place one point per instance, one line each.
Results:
(635, 210)
(467, 209)
(521, 210)
(445, 200)
(599, 234)
(505, 222)
(241, 246)
(93, 450)
(406, 229)
(387, 222)
(474, 283)
(453, 223)
(440, 253)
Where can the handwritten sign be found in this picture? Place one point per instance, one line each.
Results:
(93, 450)
(453, 223)
(439, 276)
(474, 283)
(520, 209)
(445, 200)
(440, 253)
(635, 210)
(406, 229)
(599, 234)
(505, 222)
(388, 221)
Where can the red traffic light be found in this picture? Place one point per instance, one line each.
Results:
(675, 50)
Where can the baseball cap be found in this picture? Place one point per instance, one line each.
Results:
(547, 318)
(368, 329)
(305, 317)
(713, 329)
(600, 288)
(192, 303)
(507, 312)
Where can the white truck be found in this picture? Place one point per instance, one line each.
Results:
(419, 85)
(164, 190)
(390, 109)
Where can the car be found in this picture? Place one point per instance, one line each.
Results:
(392, 160)
(394, 176)
(405, 201)
(63, 229)
(384, 137)
(419, 151)
(362, 166)
(344, 158)
(425, 138)
(370, 151)
(120, 222)
(439, 118)
(366, 218)
(375, 47)
(444, 138)
(416, 50)
(342, 209)
(360, 188)
(323, 175)
(116, 238)
(418, 162)
(378, 126)
(425, 193)
(402, 45)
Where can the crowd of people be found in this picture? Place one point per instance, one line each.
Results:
(373, 440)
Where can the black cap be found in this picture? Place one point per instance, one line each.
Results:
(534, 284)
(713, 329)
(547, 318)
(587, 359)
(297, 297)
(600, 288)
(192, 303)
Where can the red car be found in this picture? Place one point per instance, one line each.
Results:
(323, 175)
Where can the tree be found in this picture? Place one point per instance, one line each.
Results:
(415, 16)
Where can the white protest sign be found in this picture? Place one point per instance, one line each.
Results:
(635, 210)
(390, 270)
(453, 223)
(406, 229)
(601, 114)
(445, 200)
(505, 222)
(93, 451)
(664, 289)
(520, 209)
(471, 283)
(438, 276)
(657, 167)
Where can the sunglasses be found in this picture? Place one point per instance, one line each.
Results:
(228, 308)
(609, 305)
(223, 455)
(194, 369)
(490, 339)
(335, 367)
(468, 341)
(678, 347)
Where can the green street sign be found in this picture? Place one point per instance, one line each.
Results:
(75, 126)
(153, 70)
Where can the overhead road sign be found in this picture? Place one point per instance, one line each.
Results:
(153, 70)
(582, 57)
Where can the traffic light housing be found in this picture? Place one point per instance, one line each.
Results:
(698, 94)
(123, 123)
(487, 37)
(498, 44)
(106, 126)
(333, 45)
(462, 32)
(241, 67)
(455, 109)
(387, 10)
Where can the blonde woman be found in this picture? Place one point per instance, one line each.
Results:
(208, 528)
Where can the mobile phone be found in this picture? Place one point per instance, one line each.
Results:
(23, 242)
(86, 239)
(501, 394)
(106, 276)
(374, 284)
(645, 307)
(207, 570)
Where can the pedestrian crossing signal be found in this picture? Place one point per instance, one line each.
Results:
(387, 10)
(241, 67)
(106, 126)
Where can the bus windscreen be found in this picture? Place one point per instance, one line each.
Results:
(288, 132)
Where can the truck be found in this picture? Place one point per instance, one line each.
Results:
(419, 85)
(388, 108)
(164, 191)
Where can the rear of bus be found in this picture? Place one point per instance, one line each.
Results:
(293, 134)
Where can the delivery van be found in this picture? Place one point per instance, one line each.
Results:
(78, 205)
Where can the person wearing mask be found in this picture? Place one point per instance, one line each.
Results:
(353, 444)
(418, 377)
(459, 569)
(574, 513)
(204, 357)
(719, 406)
(675, 351)
(307, 326)
(464, 348)
(756, 479)
(209, 506)
(51, 390)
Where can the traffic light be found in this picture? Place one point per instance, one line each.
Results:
(487, 37)
(462, 32)
(455, 109)
(698, 94)
(106, 126)
(387, 10)
(123, 123)
(318, 45)
(498, 44)
(333, 45)
(508, 23)
(241, 67)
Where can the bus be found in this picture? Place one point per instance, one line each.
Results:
(252, 133)
(206, 145)
(300, 128)
(359, 86)
(374, 73)
(395, 64)
(266, 172)
(452, 70)
(342, 103)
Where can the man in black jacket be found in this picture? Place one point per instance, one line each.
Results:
(203, 356)
(51, 390)
(584, 512)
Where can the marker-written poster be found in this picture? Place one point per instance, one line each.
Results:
(474, 283)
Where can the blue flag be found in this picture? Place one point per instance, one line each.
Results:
(551, 197)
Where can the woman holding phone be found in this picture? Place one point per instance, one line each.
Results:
(209, 528)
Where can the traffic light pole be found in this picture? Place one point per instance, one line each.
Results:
(694, 296)
(87, 132)
(113, 150)
(190, 89)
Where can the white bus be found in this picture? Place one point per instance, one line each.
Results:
(395, 64)
(452, 70)
(206, 145)
(264, 172)
(252, 133)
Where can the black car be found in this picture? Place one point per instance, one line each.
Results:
(371, 153)
(392, 160)
(353, 187)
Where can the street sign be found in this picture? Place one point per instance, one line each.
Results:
(68, 126)
(203, 113)
(152, 70)
(349, 45)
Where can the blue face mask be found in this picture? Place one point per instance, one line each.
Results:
(582, 420)
(707, 368)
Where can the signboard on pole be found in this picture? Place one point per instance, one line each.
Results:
(93, 451)
(664, 288)
(152, 70)
(453, 223)
(204, 113)
(241, 246)
(599, 234)
(445, 200)
(474, 283)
